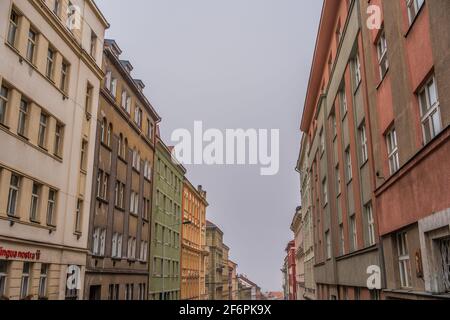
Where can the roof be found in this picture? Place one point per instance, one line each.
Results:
(324, 35)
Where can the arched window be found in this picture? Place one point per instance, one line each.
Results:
(120, 146)
(108, 136)
(102, 130)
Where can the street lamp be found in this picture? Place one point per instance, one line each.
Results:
(186, 222)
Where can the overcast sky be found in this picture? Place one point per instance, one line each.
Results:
(231, 64)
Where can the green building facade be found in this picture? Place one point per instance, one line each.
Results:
(165, 248)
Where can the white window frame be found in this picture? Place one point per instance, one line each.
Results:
(34, 206)
(430, 112)
(31, 45)
(383, 61)
(404, 260)
(3, 277)
(348, 165)
(357, 70)
(354, 232)
(4, 92)
(13, 25)
(51, 207)
(43, 279)
(392, 148)
(25, 282)
(13, 195)
(413, 7)
(363, 141)
(370, 224)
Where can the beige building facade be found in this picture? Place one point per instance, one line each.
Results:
(50, 74)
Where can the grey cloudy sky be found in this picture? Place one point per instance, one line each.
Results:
(231, 64)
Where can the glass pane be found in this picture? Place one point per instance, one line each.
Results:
(423, 102)
(432, 92)
(436, 120)
(427, 130)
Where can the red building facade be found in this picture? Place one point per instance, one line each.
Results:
(292, 270)
(376, 120)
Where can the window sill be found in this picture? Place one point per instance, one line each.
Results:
(413, 22)
(382, 79)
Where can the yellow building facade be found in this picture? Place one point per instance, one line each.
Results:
(193, 246)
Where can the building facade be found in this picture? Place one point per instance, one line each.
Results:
(166, 225)
(193, 242)
(336, 124)
(119, 233)
(51, 60)
(297, 229)
(233, 286)
(214, 272)
(248, 290)
(376, 128)
(307, 230)
(225, 273)
(291, 270)
(407, 66)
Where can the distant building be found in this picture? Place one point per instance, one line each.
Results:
(248, 290)
(291, 271)
(297, 229)
(214, 272)
(233, 284)
(225, 273)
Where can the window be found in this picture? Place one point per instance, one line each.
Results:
(42, 291)
(124, 99)
(343, 102)
(84, 145)
(363, 141)
(342, 239)
(370, 224)
(114, 87)
(42, 135)
(113, 292)
(338, 180)
(64, 76)
(57, 8)
(93, 46)
(129, 289)
(122, 196)
(103, 126)
(105, 186)
(328, 242)
(354, 233)
(31, 45)
(3, 103)
(444, 254)
(25, 284)
(13, 195)
(108, 79)
(13, 23)
(413, 8)
(142, 292)
(108, 135)
(3, 276)
(325, 192)
(334, 124)
(88, 101)
(51, 207)
(34, 207)
(128, 105)
(50, 63)
(357, 70)
(23, 118)
(78, 215)
(138, 116)
(348, 165)
(131, 248)
(382, 55)
(117, 245)
(120, 146)
(143, 251)
(103, 242)
(322, 142)
(59, 133)
(99, 183)
(403, 260)
(149, 129)
(392, 148)
(430, 111)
